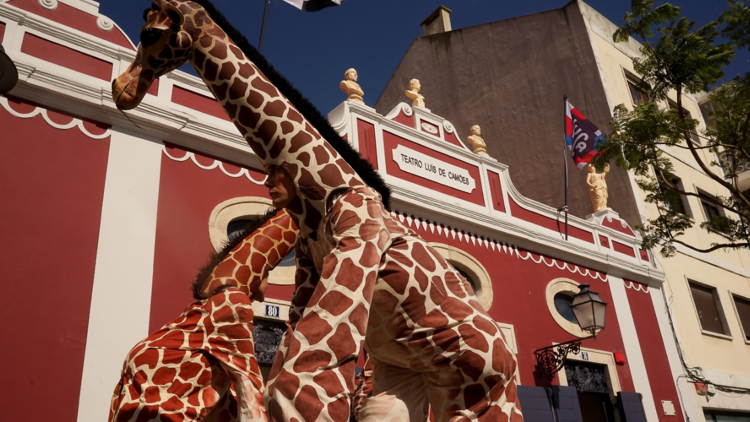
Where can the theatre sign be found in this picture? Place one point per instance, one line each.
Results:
(434, 169)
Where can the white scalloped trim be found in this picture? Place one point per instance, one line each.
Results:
(636, 286)
(104, 23)
(216, 163)
(48, 4)
(73, 123)
(449, 232)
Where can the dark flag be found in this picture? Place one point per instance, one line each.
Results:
(313, 5)
(581, 136)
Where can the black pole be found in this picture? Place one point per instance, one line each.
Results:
(565, 157)
(263, 27)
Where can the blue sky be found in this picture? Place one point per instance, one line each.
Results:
(314, 49)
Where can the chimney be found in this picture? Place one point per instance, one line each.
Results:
(438, 22)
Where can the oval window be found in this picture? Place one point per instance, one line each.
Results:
(562, 304)
(236, 227)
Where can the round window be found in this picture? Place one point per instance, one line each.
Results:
(562, 305)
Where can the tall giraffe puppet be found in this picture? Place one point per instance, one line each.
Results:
(202, 365)
(425, 327)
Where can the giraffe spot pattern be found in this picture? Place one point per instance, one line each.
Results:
(309, 402)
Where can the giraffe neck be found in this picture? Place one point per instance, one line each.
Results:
(255, 106)
(273, 128)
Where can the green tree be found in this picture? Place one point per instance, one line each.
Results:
(676, 58)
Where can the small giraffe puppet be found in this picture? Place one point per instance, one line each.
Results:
(202, 365)
(362, 277)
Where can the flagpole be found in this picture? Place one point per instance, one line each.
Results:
(263, 27)
(565, 158)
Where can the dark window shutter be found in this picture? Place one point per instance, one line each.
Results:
(631, 407)
(565, 402)
(535, 404)
(707, 311)
(743, 310)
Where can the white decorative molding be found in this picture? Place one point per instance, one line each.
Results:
(427, 226)
(48, 4)
(565, 266)
(74, 122)
(104, 23)
(429, 128)
(189, 155)
(448, 127)
(407, 109)
(638, 287)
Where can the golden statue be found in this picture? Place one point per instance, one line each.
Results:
(598, 188)
(475, 141)
(413, 93)
(350, 86)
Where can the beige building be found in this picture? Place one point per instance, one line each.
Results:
(708, 293)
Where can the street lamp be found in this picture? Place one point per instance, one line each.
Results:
(590, 311)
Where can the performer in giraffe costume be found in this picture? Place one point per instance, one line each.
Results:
(201, 365)
(425, 326)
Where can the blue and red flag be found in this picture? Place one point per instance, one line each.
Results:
(581, 136)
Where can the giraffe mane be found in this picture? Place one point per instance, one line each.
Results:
(363, 168)
(216, 258)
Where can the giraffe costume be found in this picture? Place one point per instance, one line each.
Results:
(425, 326)
(201, 365)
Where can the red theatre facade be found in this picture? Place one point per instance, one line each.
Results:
(107, 217)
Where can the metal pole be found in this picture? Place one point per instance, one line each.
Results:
(565, 157)
(263, 27)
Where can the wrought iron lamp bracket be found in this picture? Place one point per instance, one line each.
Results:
(550, 359)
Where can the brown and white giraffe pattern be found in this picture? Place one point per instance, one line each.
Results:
(251, 260)
(368, 274)
(202, 364)
(425, 317)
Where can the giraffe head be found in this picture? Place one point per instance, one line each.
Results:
(166, 43)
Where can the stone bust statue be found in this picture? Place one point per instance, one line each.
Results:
(413, 93)
(598, 188)
(475, 141)
(350, 86)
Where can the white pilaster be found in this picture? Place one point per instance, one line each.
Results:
(632, 346)
(121, 296)
(686, 392)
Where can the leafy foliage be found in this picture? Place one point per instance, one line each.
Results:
(736, 20)
(676, 58)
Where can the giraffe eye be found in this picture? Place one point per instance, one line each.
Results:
(150, 36)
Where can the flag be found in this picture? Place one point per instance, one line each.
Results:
(581, 136)
(313, 5)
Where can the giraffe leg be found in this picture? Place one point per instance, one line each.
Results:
(425, 318)
(398, 395)
(185, 370)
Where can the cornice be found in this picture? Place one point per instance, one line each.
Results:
(525, 235)
(59, 32)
